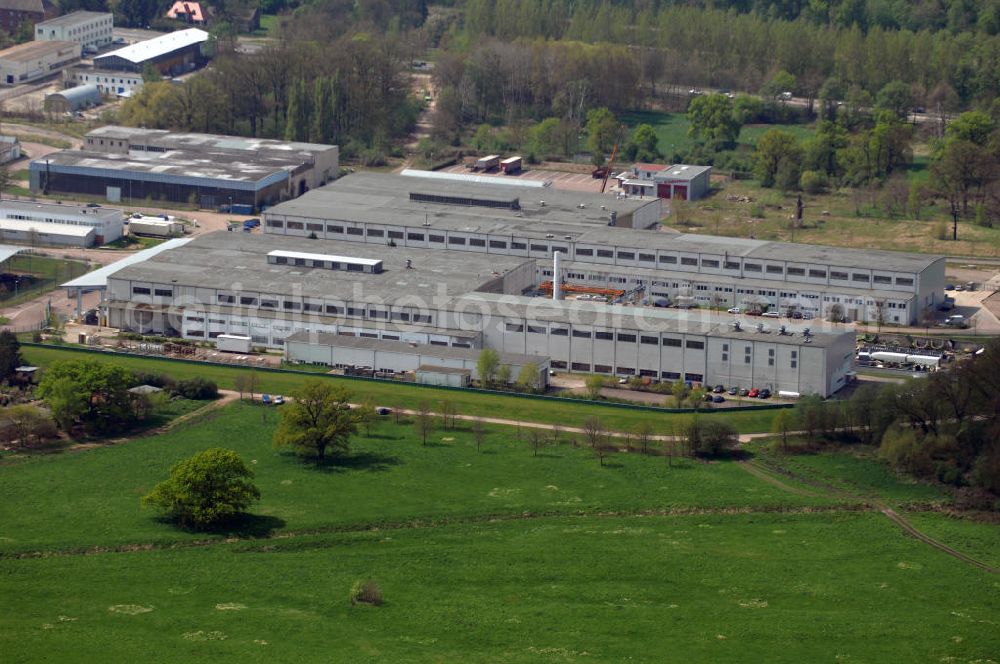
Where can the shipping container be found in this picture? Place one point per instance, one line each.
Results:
(154, 227)
(511, 165)
(233, 343)
(488, 163)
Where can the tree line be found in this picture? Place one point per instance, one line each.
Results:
(352, 92)
(731, 45)
(945, 426)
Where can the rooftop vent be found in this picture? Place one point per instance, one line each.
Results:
(581, 206)
(567, 237)
(807, 332)
(541, 203)
(466, 201)
(549, 236)
(736, 326)
(782, 331)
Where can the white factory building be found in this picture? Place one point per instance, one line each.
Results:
(89, 29)
(615, 242)
(61, 225)
(116, 83)
(438, 308)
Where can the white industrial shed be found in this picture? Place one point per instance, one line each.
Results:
(73, 99)
(437, 362)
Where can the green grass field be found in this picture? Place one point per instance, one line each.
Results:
(491, 556)
(410, 396)
(392, 478)
(672, 130)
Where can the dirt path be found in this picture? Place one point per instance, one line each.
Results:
(755, 469)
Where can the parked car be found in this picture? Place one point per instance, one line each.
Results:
(753, 393)
(709, 398)
(949, 286)
(382, 410)
(797, 315)
(718, 398)
(771, 314)
(279, 400)
(719, 389)
(744, 392)
(733, 391)
(734, 310)
(764, 394)
(265, 399)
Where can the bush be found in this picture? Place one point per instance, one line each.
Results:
(209, 488)
(366, 592)
(812, 182)
(757, 211)
(941, 231)
(712, 437)
(197, 389)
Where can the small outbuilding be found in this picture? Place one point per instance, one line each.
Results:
(75, 99)
(10, 149)
(430, 374)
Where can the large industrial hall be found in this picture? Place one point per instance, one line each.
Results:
(269, 288)
(616, 240)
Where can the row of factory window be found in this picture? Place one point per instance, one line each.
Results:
(278, 341)
(620, 254)
(748, 356)
(625, 371)
(625, 337)
(292, 305)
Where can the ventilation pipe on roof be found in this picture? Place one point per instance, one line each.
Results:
(556, 281)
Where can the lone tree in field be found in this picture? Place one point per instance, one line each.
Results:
(593, 429)
(478, 432)
(317, 419)
(424, 421)
(536, 439)
(10, 355)
(206, 489)
(246, 383)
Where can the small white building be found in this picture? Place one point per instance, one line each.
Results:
(10, 149)
(118, 83)
(679, 181)
(34, 60)
(89, 29)
(43, 233)
(106, 223)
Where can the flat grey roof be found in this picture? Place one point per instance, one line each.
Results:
(385, 198)
(238, 261)
(73, 18)
(680, 172)
(56, 208)
(183, 140)
(653, 274)
(216, 165)
(98, 279)
(387, 345)
(378, 198)
(33, 50)
(598, 315)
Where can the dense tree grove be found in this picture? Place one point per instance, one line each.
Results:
(351, 92)
(945, 426)
(944, 51)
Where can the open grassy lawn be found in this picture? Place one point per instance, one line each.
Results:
(391, 478)
(774, 588)
(718, 215)
(858, 470)
(410, 396)
(491, 556)
(973, 538)
(672, 129)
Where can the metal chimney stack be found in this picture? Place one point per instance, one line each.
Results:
(556, 280)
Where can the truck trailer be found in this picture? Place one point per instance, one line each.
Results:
(488, 163)
(155, 227)
(510, 165)
(233, 343)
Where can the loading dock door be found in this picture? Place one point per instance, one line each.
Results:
(681, 192)
(663, 191)
(114, 194)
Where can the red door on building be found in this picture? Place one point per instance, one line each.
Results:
(681, 192)
(663, 190)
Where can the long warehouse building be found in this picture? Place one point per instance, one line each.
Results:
(615, 241)
(271, 288)
(130, 164)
